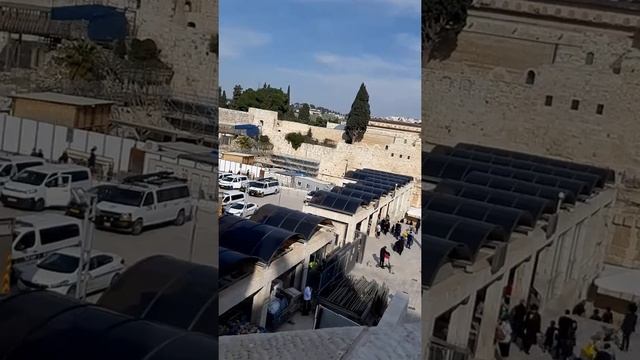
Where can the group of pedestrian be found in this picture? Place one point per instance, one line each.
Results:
(37, 153)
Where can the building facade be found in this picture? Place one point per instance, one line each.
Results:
(550, 79)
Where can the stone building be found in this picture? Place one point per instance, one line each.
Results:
(386, 146)
(550, 78)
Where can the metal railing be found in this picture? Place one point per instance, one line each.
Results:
(441, 350)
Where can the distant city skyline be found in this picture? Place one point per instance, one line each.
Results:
(326, 51)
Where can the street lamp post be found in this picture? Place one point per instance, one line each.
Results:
(85, 247)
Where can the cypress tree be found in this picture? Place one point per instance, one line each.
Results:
(237, 92)
(358, 118)
(223, 99)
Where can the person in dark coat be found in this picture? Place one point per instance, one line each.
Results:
(64, 158)
(40, 154)
(92, 158)
(532, 327)
(596, 315)
(409, 239)
(607, 316)
(417, 225)
(399, 246)
(518, 317)
(383, 254)
(628, 327)
(566, 333)
(579, 309)
(550, 336)
(34, 152)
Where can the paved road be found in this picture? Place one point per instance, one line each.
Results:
(166, 240)
(289, 198)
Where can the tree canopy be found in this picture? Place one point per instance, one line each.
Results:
(358, 117)
(442, 21)
(304, 116)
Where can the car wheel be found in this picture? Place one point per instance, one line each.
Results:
(39, 206)
(71, 291)
(136, 229)
(114, 279)
(180, 218)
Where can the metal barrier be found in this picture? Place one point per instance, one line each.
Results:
(441, 350)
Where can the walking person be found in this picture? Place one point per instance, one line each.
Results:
(566, 335)
(306, 305)
(92, 159)
(518, 318)
(533, 325)
(34, 152)
(550, 337)
(383, 255)
(607, 317)
(503, 336)
(628, 326)
(596, 315)
(378, 229)
(409, 239)
(399, 246)
(64, 158)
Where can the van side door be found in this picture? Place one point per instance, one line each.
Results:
(59, 237)
(150, 209)
(58, 190)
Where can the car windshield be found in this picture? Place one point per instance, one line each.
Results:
(124, 196)
(6, 170)
(61, 263)
(227, 178)
(237, 206)
(30, 177)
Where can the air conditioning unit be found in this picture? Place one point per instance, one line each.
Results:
(151, 146)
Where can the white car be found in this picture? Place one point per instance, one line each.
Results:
(59, 272)
(309, 196)
(233, 182)
(239, 209)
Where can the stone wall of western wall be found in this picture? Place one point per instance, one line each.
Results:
(481, 95)
(186, 48)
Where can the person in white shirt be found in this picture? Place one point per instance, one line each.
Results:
(503, 336)
(306, 304)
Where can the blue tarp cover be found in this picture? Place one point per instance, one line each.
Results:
(106, 23)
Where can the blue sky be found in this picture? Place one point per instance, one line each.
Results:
(324, 49)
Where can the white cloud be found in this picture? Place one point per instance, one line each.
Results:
(236, 41)
(364, 64)
(404, 5)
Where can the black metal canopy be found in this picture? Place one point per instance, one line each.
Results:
(591, 180)
(288, 219)
(436, 252)
(448, 167)
(167, 290)
(533, 205)
(471, 233)
(523, 187)
(46, 325)
(374, 171)
(233, 261)
(255, 239)
(369, 189)
(363, 195)
(366, 174)
(605, 174)
(387, 187)
(336, 202)
(505, 217)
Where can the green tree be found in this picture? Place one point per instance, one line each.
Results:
(81, 61)
(295, 139)
(320, 121)
(223, 99)
(442, 21)
(237, 92)
(265, 98)
(264, 142)
(288, 94)
(245, 142)
(304, 116)
(358, 117)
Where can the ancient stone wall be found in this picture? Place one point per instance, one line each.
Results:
(183, 29)
(544, 87)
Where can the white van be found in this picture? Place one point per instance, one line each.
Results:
(233, 182)
(224, 175)
(37, 236)
(232, 197)
(264, 187)
(13, 164)
(145, 200)
(44, 186)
